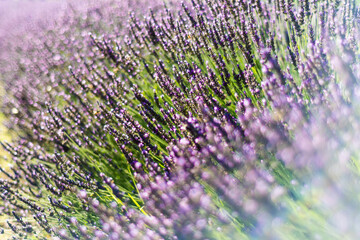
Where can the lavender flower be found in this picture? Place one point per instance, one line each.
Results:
(201, 120)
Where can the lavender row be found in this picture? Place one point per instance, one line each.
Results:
(207, 121)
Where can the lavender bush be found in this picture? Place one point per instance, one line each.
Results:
(227, 119)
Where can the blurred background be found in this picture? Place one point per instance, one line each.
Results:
(16, 18)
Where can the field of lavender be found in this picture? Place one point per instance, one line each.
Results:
(202, 119)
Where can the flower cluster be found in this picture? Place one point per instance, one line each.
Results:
(213, 119)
